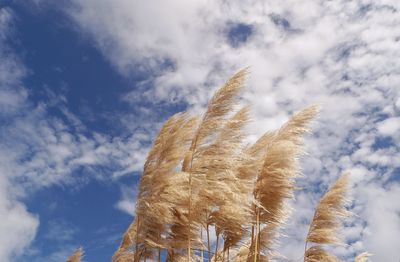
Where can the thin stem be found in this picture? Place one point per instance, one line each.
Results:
(159, 249)
(208, 241)
(259, 241)
(136, 258)
(252, 235)
(201, 236)
(257, 234)
(252, 230)
(189, 215)
(216, 249)
(170, 255)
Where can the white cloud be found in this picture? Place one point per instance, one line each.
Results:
(382, 211)
(127, 203)
(342, 54)
(18, 226)
(390, 126)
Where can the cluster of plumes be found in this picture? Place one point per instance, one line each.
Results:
(201, 176)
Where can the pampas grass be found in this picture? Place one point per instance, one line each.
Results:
(200, 179)
(326, 221)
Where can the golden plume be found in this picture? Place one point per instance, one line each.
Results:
(125, 251)
(327, 220)
(222, 200)
(213, 120)
(76, 256)
(219, 106)
(318, 254)
(168, 150)
(275, 180)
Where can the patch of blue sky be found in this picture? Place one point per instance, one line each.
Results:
(88, 214)
(238, 33)
(64, 65)
(283, 23)
(382, 142)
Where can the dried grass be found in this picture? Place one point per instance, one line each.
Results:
(199, 175)
(325, 225)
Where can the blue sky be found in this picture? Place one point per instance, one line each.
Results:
(85, 85)
(64, 72)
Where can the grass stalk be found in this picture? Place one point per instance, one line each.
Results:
(216, 249)
(208, 242)
(257, 234)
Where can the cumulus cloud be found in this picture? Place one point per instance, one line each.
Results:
(341, 54)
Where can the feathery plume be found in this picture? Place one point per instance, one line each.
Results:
(318, 254)
(145, 232)
(213, 120)
(153, 211)
(125, 251)
(76, 256)
(219, 106)
(221, 198)
(275, 181)
(326, 221)
(363, 257)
